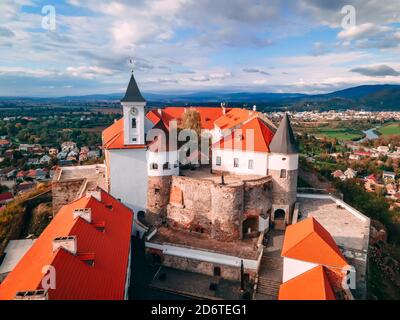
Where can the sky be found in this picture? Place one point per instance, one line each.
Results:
(78, 47)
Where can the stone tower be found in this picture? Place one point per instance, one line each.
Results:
(283, 162)
(134, 110)
(162, 163)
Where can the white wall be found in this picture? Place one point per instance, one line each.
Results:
(292, 268)
(128, 177)
(227, 156)
(205, 256)
(278, 161)
(160, 158)
(140, 122)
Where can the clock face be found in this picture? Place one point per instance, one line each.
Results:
(133, 112)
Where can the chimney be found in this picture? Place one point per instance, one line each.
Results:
(32, 295)
(94, 193)
(159, 110)
(85, 214)
(68, 243)
(254, 108)
(223, 108)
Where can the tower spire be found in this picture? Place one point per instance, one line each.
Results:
(284, 140)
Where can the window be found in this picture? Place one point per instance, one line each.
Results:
(251, 164)
(218, 161)
(283, 173)
(133, 123)
(217, 271)
(166, 166)
(154, 166)
(134, 139)
(156, 191)
(236, 162)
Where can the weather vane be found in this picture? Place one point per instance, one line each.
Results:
(132, 63)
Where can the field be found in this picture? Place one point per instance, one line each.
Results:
(340, 133)
(390, 129)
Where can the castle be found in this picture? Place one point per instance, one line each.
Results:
(209, 217)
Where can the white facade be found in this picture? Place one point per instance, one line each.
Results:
(293, 268)
(162, 164)
(134, 122)
(278, 161)
(224, 160)
(247, 162)
(128, 177)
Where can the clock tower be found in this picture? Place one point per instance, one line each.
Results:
(134, 111)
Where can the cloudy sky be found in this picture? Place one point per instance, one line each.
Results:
(189, 45)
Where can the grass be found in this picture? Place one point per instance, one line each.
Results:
(390, 129)
(340, 133)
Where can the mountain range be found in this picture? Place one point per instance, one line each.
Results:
(372, 97)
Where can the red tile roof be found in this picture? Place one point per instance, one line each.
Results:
(308, 241)
(235, 117)
(252, 136)
(208, 115)
(6, 196)
(113, 137)
(311, 285)
(75, 279)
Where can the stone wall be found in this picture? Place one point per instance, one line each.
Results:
(64, 192)
(214, 209)
(284, 190)
(207, 268)
(158, 194)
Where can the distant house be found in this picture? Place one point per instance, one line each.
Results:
(338, 174)
(92, 155)
(383, 149)
(388, 175)
(354, 157)
(53, 151)
(41, 174)
(83, 157)
(25, 187)
(7, 173)
(21, 174)
(335, 155)
(29, 147)
(73, 154)
(391, 189)
(362, 153)
(6, 198)
(62, 155)
(67, 146)
(9, 154)
(372, 179)
(4, 143)
(350, 173)
(33, 161)
(45, 159)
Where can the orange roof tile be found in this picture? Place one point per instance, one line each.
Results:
(308, 241)
(310, 285)
(74, 278)
(113, 137)
(254, 136)
(235, 117)
(208, 115)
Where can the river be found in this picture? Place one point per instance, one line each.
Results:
(369, 135)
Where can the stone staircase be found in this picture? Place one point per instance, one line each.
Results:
(270, 274)
(268, 287)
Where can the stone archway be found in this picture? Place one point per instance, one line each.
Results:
(280, 219)
(250, 227)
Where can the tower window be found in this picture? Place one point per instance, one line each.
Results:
(283, 173)
(154, 166)
(251, 164)
(236, 162)
(218, 161)
(133, 123)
